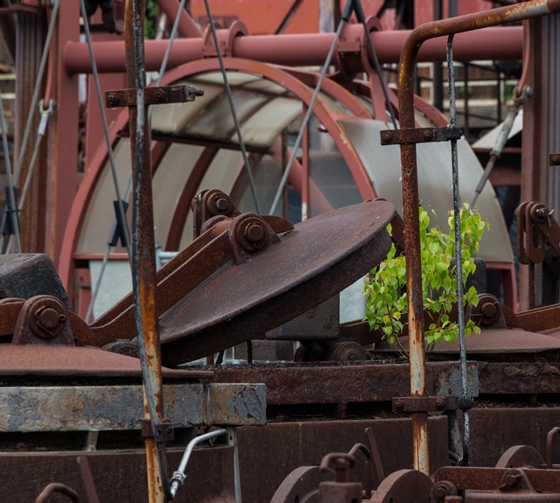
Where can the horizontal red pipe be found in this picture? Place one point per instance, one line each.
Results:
(300, 50)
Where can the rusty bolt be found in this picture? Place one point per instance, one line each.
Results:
(440, 403)
(111, 98)
(399, 405)
(387, 136)
(555, 159)
(428, 134)
(440, 491)
(48, 317)
(488, 309)
(222, 204)
(160, 95)
(254, 233)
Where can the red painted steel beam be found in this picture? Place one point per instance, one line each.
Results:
(299, 50)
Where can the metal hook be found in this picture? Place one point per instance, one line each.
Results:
(45, 114)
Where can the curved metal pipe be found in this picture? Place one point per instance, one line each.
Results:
(518, 12)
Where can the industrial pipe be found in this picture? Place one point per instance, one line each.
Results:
(298, 50)
(409, 57)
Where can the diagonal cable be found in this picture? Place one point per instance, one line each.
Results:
(36, 91)
(120, 206)
(232, 106)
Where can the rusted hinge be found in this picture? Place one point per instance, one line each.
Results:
(430, 403)
(420, 135)
(164, 430)
(152, 96)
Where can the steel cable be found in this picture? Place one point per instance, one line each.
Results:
(120, 206)
(35, 97)
(458, 254)
(232, 106)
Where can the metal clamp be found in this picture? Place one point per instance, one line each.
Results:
(420, 135)
(45, 115)
(161, 432)
(152, 96)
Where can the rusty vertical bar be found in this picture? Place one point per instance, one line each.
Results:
(305, 174)
(143, 251)
(427, 31)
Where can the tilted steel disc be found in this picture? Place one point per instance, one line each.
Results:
(309, 265)
(302, 485)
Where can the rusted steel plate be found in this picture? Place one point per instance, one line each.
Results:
(495, 430)
(495, 343)
(419, 135)
(305, 443)
(119, 476)
(349, 382)
(518, 378)
(96, 408)
(539, 319)
(77, 361)
(318, 259)
(152, 96)
(489, 478)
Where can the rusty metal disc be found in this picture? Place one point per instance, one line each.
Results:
(302, 485)
(62, 360)
(309, 265)
(403, 486)
(520, 456)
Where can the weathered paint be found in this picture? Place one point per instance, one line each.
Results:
(96, 408)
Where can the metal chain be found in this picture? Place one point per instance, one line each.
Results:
(232, 106)
(458, 255)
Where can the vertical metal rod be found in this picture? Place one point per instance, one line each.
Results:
(458, 253)
(106, 130)
(232, 440)
(232, 106)
(143, 254)
(527, 10)
(306, 119)
(14, 213)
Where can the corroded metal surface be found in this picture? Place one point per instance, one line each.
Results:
(33, 360)
(403, 486)
(101, 408)
(330, 382)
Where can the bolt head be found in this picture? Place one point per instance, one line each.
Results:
(387, 136)
(399, 405)
(488, 309)
(254, 233)
(222, 204)
(428, 134)
(556, 159)
(48, 317)
(440, 403)
(111, 98)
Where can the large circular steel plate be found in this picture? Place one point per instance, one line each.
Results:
(309, 265)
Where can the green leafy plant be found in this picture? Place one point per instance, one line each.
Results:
(387, 307)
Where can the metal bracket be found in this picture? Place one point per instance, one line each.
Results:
(420, 135)
(152, 96)
(431, 403)
(163, 431)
